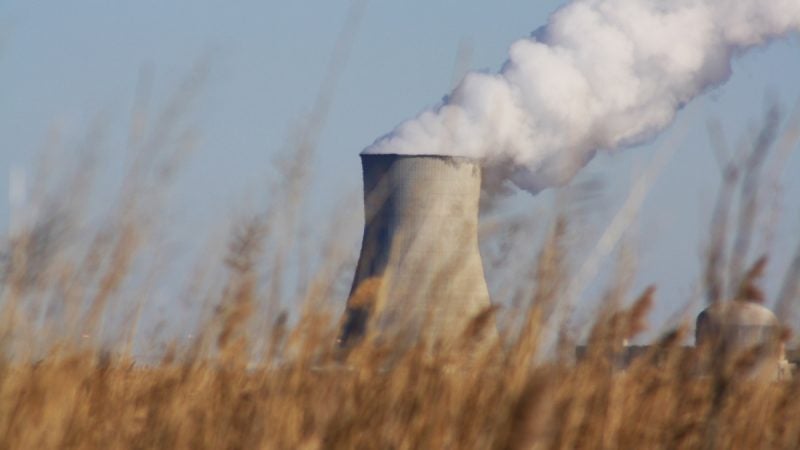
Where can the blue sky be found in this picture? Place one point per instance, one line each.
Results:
(63, 64)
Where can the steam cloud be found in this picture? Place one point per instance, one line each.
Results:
(602, 74)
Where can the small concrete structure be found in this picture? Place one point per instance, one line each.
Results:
(737, 326)
(741, 324)
(724, 332)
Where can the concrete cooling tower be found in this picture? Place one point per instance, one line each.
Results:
(419, 267)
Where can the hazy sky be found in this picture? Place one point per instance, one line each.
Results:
(63, 64)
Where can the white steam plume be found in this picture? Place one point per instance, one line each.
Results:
(602, 74)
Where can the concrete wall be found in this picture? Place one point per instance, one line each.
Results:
(740, 323)
(419, 265)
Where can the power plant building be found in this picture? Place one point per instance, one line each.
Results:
(419, 267)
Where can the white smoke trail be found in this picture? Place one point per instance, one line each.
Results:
(602, 74)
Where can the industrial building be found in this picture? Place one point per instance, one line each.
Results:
(419, 267)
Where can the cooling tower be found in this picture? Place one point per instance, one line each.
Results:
(419, 267)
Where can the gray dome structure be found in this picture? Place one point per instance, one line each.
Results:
(419, 267)
(741, 323)
(727, 328)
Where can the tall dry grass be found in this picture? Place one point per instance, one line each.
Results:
(253, 376)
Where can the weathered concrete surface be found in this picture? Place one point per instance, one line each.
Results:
(736, 326)
(419, 267)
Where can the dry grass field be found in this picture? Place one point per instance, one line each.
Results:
(304, 395)
(282, 383)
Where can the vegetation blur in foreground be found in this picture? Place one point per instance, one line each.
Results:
(252, 376)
